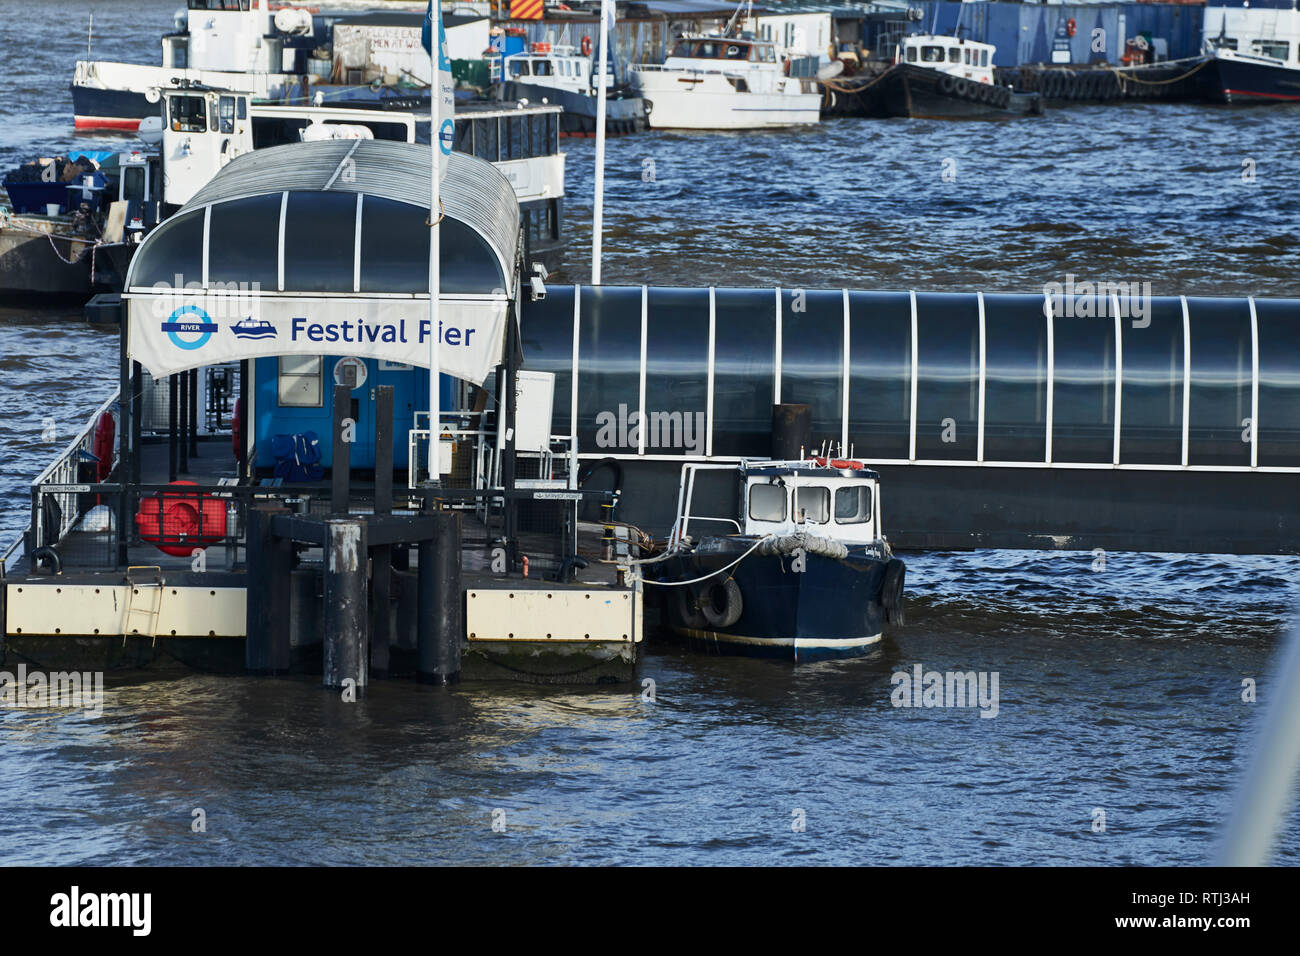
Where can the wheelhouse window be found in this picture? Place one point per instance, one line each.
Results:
(984, 57)
(542, 68)
(189, 114)
(767, 502)
(813, 504)
(300, 381)
(954, 55)
(853, 504)
(931, 54)
(226, 113)
(911, 54)
(1279, 50)
(520, 68)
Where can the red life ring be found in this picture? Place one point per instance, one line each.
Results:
(851, 463)
(102, 446)
(1070, 27)
(178, 522)
(586, 46)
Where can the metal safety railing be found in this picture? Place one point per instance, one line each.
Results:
(56, 491)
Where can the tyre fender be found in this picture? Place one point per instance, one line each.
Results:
(891, 591)
(721, 603)
(684, 610)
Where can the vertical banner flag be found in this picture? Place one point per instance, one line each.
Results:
(444, 86)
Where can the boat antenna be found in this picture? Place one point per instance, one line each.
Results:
(90, 32)
(731, 24)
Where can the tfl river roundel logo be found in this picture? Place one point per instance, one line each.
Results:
(202, 325)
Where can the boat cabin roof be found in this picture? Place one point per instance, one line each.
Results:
(813, 468)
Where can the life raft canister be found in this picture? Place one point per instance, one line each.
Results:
(586, 46)
(102, 446)
(177, 522)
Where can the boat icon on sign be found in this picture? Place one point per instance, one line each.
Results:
(251, 328)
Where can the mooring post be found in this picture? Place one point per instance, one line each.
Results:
(183, 419)
(269, 560)
(171, 426)
(341, 472)
(242, 453)
(382, 610)
(345, 630)
(125, 428)
(441, 620)
(194, 413)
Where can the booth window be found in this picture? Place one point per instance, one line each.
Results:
(300, 381)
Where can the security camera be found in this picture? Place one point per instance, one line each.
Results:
(540, 270)
(538, 288)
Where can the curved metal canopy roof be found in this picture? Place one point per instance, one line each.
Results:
(337, 217)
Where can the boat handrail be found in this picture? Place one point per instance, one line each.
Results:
(75, 446)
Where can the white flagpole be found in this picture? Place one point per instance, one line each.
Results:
(435, 210)
(598, 212)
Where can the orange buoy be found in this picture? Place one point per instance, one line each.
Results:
(586, 46)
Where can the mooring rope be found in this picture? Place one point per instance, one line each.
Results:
(711, 574)
(1119, 72)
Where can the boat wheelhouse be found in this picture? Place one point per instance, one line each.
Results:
(725, 81)
(1253, 55)
(954, 56)
(560, 75)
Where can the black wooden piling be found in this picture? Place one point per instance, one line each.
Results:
(270, 560)
(126, 412)
(346, 627)
(440, 616)
(242, 452)
(171, 428)
(341, 472)
(791, 432)
(182, 383)
(194, 412)
(382, 610)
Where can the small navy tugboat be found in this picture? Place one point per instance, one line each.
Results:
(807, 576)
(945, 77)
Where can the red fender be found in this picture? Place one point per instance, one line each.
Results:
(102, 445)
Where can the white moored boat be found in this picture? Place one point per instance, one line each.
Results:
(728, 80)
